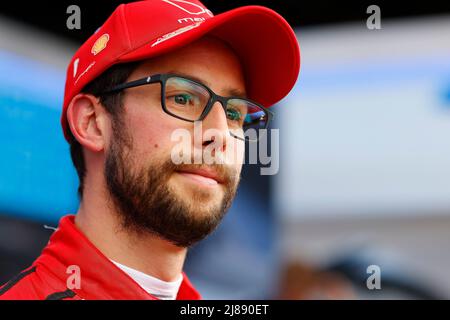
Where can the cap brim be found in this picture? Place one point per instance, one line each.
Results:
(264, 42)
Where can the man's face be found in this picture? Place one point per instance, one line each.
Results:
(178, 202)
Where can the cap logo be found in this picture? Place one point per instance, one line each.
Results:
(175, 33)
(75, 66)
(189, 7)
(100, 44)
(84, 72)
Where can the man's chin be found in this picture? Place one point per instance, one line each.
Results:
(196, 193)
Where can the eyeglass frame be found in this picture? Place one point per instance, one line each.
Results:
(162, 79)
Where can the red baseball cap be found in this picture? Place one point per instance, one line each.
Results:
(263, 41)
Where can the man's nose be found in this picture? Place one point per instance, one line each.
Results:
(215, 126)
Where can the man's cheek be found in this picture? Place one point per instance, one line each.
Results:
(235, 153)
(151, 140)
(181, 147)
(147, 152)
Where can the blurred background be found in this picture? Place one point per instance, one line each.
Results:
(364, 177)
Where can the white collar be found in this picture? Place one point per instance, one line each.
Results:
(156, 287)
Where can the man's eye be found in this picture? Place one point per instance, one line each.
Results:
(234, 114)
(182, 98)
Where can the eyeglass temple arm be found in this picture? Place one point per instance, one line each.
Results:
(131, 84)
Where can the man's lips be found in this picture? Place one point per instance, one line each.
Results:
(209, 177)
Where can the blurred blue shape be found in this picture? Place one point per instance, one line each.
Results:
(446, 95)
(37, 179)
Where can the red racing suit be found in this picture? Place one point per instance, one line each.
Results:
(68, 254)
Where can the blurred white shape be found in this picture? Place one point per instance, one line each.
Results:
(366, 131)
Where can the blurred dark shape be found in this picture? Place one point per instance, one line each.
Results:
(21, 242)
(397, 282)
(300, 281)
(51, 15)
(346, 278)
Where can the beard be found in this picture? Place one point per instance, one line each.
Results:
(146, 203)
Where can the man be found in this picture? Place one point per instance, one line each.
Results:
(156, 70)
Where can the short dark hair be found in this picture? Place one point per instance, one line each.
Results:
(112, 102)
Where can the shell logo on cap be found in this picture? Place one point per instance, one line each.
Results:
(100, 44)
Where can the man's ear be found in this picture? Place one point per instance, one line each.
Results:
(88, 121)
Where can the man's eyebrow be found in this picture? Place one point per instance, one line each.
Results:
(234, 92)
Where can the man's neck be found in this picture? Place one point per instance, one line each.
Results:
(146, 252)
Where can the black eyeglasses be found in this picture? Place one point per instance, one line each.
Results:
(189, 100)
